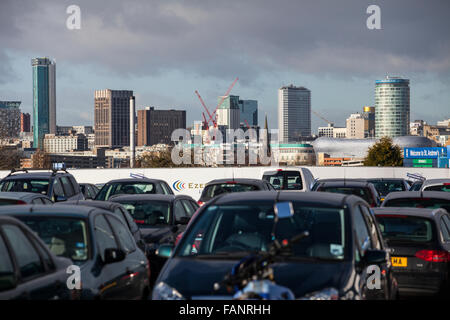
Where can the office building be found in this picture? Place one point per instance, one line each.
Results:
(294, 113)
(25, 122)
(228, 113)
(392, 107)
(156, 126)
(9, 119)
(248, 113)
(44, 99)
(65, 130)
(67, 143)
(369, 115)
(112, 118)
(357, 126)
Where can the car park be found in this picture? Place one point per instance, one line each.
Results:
(9, 198)
(160, 218)
(28, 270)
(58, 185)
(221, 186)
(121, 213)
(290, 178)
(331, 262)
(133, 186)
(436, 185)
(419, 240)
(418, 199)
(365, 190)
(89, 190)
(111, 265)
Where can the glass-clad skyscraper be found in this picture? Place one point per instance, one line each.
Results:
(392, 107)
(44, 99)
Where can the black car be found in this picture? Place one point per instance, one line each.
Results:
(111, 265)
(133, 186)
(385, 186)
(8, 198)
(58, 185)
(332, 261)
(28, 270)
(89, 190)
(221, 186)
(364, 190)
(418, 199)
(122, 213)
(161, 218)
(420, 248)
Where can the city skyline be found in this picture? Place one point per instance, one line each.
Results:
(336, 57)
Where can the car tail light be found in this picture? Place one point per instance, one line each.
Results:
(230, 182)
(433, 255)
(200, 203)
(178, 238)
(20, 202)
(446, 183)
(139, 221)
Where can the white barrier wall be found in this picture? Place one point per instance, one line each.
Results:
(191, 181)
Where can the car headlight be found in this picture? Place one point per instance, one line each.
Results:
(325, 294)
(163, 291)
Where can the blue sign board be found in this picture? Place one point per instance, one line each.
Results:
(423, 153)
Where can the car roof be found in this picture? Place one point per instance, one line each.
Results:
(56, 210)
(20, 195)
(435, 181)
(326, 198)
(383, 179)
(414, 212)
(345, 183)
(146, 197)
(134, 180)
(107, 205)
(417, 194)
(238, 180)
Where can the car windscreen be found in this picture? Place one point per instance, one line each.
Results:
(405, 228)
(25, 185)
(239, 229)
(149, 213)
(357, 191)
(445, 187)
(387, 186)
(418, 203)
(66, 237)
(214, 190)
(284, 180)
(125, 188)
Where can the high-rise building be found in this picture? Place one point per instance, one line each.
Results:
(156, 126)
(294, 113)
(356, 126)
(248, 113)
(228, 113)
(112, 118)
(392, 107)
(369, 115)
(44, 99)
(25, 122)
(9, 119)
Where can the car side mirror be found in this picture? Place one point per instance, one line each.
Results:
(375, 257)
(60, 198)
(114, 255)
(165, 250)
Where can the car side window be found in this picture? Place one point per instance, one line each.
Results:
(188, 207)
(104, 235)
(123, 234)
(362, 234)
(67, 186)
(371, 223)
(164, 188)
(45, 256)
(6, 265)
(75, 185)
(57, 188)
(445, 227)
(133, 226)
(179, 211)
(27, 257)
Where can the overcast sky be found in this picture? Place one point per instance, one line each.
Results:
(165, 50)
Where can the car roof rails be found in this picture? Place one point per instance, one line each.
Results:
(14, 170)
(55, 171)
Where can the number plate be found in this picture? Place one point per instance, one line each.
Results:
(399, 261)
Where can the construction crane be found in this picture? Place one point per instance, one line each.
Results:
(221, 101)
(206, 108)
(321, 117)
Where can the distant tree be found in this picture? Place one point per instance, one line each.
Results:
(160, 159)
(9, 158)
(41, 160)
(385, 154)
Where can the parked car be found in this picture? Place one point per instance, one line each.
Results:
(330, 262)
(319, 181)
(58, 185)
(111, 265)
(118, 210)
(364, 190)
(221, 186)
(385, 186)
(161, 218)
(8, 198)
(418, 199)
(436, 185)
(28, 270)
(133, 186)
(290, 178)
(89, 190)
(416, 186)
(420, 248)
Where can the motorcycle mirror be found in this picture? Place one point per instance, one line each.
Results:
(283, 210)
